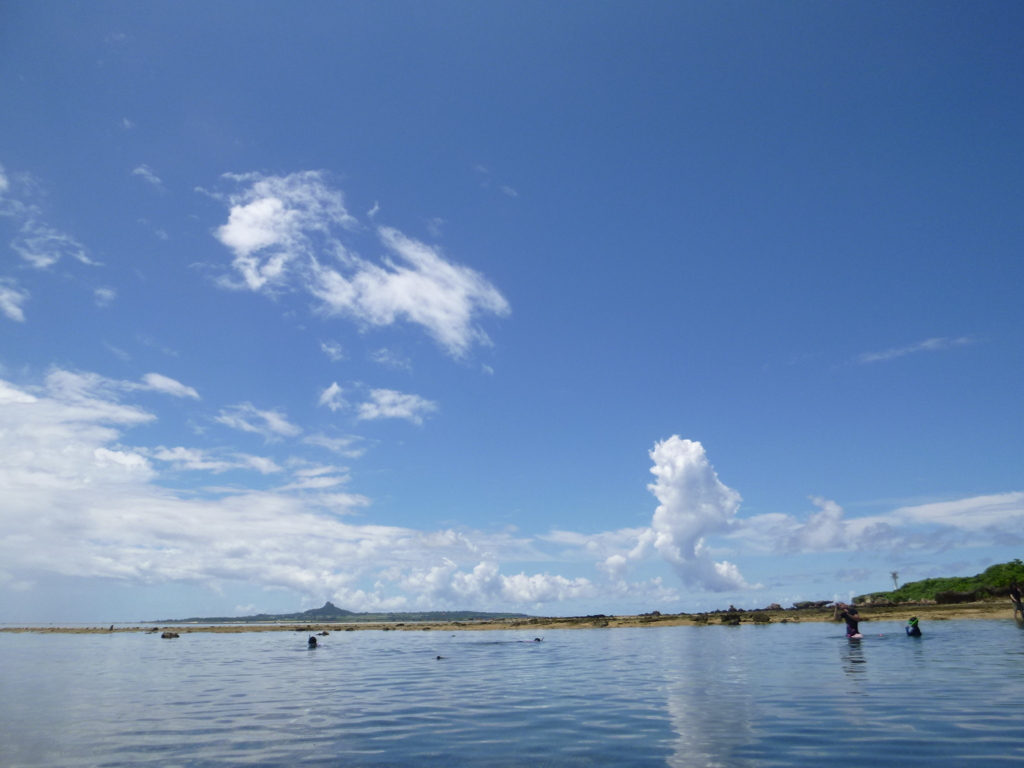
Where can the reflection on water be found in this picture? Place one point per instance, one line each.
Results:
(852, 655)
(710, 685)
(682, 696)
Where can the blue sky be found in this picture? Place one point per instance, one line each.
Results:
(564, 309)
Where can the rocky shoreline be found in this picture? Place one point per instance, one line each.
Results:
(807, 612)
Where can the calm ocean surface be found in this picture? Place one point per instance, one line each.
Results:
(681, 696)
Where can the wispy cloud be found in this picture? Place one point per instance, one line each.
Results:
(389, 404)
(928, 345)
(104, 296)
(333, 350)
(346, 445)
(435, 226)
(72, 384)
(12, 298)
(196, 459)
(159, 383)
(285, 233)
(149, 341)
(247, 418)
(145, 173)
(391, 359)
(119, 353)
(332, 398)
(978, 520)
(39, 244)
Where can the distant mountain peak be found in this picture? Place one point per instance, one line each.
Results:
(329, 609)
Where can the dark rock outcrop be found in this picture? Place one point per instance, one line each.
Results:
(951, 596)
(804, 605)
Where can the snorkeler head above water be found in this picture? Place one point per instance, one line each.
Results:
(913, 630)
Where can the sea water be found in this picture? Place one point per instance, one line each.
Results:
(794, 694)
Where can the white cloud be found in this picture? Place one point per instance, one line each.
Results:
(79, 502)
(146, 173)
(427, 290)
(332, 398)
(78, 385)
(316, 478)
(199, 460)
(104, 296)
(261, 464)
(192, 459)
(333, 350)
(276, 220)
(509, 191)
(37, 243)
(343, 446)
(248, 418)
(391, 359)
(167, 385)
(389, 404)
(447, 584)
(694, 505)
(979, 520)
(997, 512)
(928, 345)
(12, 298)
(284, 233)
(824, 530)
(43, 246)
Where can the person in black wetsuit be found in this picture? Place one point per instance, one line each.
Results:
(913, 630)
(850, 615)
(1015, 595)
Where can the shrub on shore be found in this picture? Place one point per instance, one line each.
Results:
(993, 582)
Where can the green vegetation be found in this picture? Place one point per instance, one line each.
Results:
(994, 581)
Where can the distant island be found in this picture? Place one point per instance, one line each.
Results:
(993, 582)
(332, 613)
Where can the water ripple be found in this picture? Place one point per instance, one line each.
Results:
(678, 696)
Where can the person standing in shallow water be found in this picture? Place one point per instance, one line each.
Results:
(1015, 596)
(852, 618)
(913, 630)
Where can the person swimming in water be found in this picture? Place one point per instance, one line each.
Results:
(913, 630)
(852, 618)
